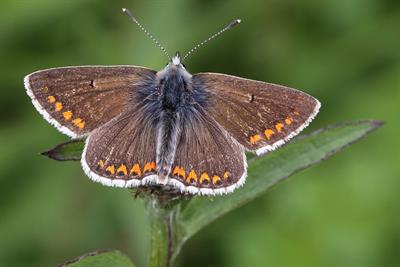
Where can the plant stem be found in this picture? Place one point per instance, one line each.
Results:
(162, 233)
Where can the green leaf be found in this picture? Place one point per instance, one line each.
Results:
(101, 259)
(71, 150)
(267, 171)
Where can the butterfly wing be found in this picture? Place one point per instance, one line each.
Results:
(260, 116)
(208, 160)
(122, 152)
(77, 100)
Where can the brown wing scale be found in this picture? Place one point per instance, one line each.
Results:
(260, 116)
(79, 99)
(122, 153)
(207, 160)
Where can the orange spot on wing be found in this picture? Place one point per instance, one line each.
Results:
(58, 106)
(136, 169)
(268, 133)
(204, 177)
(79, 123)
(178, 171)
(255, 138)
(111, 169)
(216, 180)
(296, 113)
(288, 120)
(122, 169)
(279, 127)
(51, 99)
(227, 175)
(67, 115)
(101, 163)
(192, 177)
(150, 166)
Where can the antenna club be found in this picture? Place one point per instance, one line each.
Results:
(233, 23)
(129, 14)
(126, 11)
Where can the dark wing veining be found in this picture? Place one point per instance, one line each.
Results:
(77, 100)
(122, 152)
(208, 160)
(260, 116)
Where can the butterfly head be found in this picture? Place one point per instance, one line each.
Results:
(176, 60)
(175, 64)
(175, 68)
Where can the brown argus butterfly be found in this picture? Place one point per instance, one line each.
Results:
(168, 128)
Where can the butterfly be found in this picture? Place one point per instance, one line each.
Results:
(169, 127)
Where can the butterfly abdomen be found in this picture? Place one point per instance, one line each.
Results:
(168, 133)
(172, 88)
(178, 103)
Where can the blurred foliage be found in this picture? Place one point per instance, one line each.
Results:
(101, 259)
(343, 212)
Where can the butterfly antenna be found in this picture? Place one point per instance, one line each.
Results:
(227, 27)
(133, 18)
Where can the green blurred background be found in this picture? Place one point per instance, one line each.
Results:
(343, 212)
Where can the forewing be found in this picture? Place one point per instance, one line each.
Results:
(208, 160)
(77, 100)
(122, 152)
(260, 116)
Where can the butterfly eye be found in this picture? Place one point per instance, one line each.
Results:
(184, 65)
